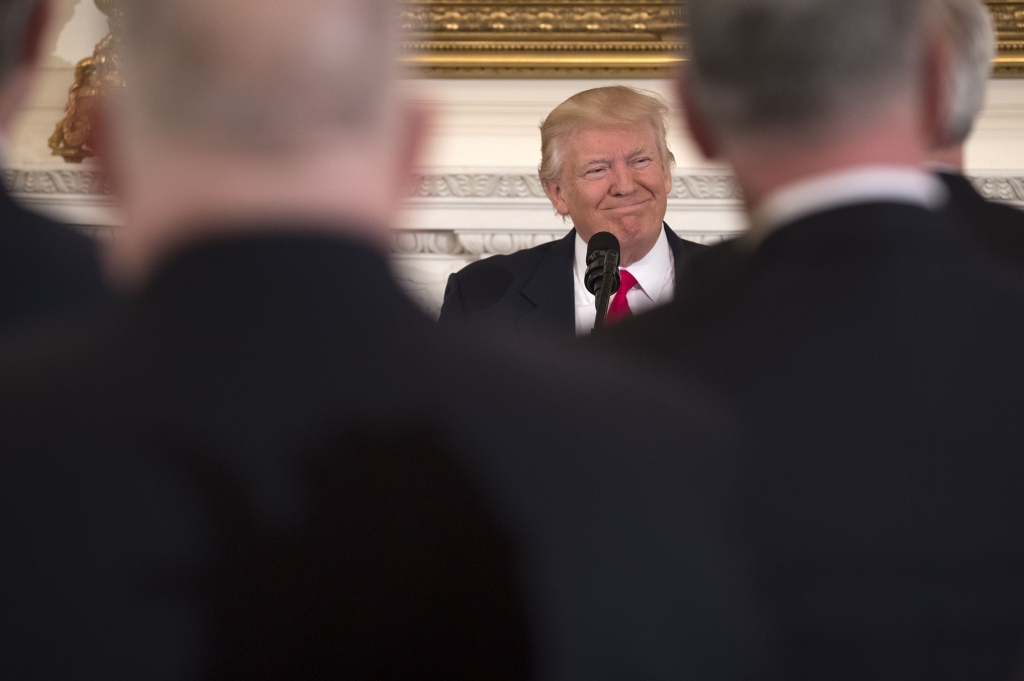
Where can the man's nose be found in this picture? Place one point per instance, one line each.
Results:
(623, 182)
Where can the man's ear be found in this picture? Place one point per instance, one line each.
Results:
(937, 91)
(415, 135)
(700, 131)
(557, 197)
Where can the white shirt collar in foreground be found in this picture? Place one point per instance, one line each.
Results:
(865, 184)
(651, 271)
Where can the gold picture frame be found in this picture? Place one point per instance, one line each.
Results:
(1009, 19)
(584, 38)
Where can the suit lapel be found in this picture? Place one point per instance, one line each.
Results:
(552, 292)
(682, 251)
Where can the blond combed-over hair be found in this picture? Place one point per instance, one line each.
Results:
(616, 106)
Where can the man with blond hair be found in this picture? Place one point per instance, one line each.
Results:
(968, 29)
(606, 166)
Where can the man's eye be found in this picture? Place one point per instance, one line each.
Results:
(596, 172)
(642, 161)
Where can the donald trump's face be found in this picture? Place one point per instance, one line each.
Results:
(614, 180)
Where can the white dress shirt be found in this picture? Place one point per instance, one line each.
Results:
(865, 184)
(655, 276)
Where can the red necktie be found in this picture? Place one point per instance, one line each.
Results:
(619, 308)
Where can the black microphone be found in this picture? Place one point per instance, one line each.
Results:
(602, 278)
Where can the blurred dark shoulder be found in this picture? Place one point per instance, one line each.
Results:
(46, 268)
(241, 353)
(709, 286)
(998, 226)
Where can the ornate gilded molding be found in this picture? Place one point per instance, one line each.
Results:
(586, 38)
(1009, 20)
(537, 38)
(95, 78)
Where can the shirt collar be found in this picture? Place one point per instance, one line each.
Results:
(650, 271)
(866, 184)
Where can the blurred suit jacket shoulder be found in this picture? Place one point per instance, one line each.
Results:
(45, 268)
(173, 501)
(877, 355)
(529, 293)
(999, 227)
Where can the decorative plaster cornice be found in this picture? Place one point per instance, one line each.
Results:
(697, 186)
(77, 182)
(472, 245)
(691, 186)
(78, 188)
(478, 186)
(53, 182)
(1005, 189)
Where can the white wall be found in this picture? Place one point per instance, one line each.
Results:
(479, 194)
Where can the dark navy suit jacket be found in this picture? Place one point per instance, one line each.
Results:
(243, 472)
(45, 268)
(876, 354)
(529, 293)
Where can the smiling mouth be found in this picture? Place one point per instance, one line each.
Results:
(632, 205)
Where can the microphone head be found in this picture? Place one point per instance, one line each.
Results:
(602, 242)
(598, 250)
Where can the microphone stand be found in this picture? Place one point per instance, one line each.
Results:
(604, 296)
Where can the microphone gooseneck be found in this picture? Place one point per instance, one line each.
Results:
(602, 277)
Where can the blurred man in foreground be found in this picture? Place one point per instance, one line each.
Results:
(967, 26)
(269, 465)
(45, 268)
(876, 350)
(607, 165)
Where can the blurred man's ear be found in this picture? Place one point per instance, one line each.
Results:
(19, 83)
(415, 135)
(700, 131)
(936, 91)
(418, 118)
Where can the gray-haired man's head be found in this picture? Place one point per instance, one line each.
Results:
(787, 67)
(968, 26)
(260, 75)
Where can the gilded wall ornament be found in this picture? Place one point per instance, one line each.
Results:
(96, 77)
(536, 38)
(585, 38)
